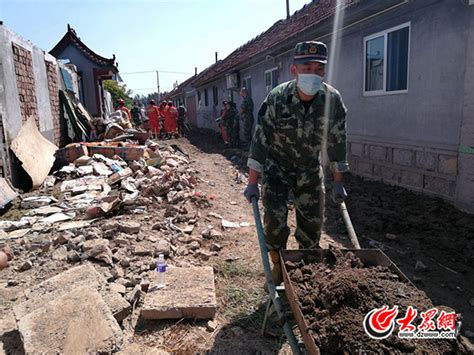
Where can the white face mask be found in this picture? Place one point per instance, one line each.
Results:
(309, 83)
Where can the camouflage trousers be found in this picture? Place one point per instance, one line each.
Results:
(248, 125)
(232, 128)
(308, 192)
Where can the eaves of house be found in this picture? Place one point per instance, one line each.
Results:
(71, 38)
(314, 20)
(190, 81)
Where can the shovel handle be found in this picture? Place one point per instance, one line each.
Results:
(349, 226)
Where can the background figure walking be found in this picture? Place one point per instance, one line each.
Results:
(231, 124)
(181, 119)
(246, 114)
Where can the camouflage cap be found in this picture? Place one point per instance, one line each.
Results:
(306, 52)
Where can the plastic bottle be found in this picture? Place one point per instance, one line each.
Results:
(161, 270)
(115, 167)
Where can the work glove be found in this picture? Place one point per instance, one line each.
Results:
(338, 193)
(251, 191)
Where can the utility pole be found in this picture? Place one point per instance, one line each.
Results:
(158, 84)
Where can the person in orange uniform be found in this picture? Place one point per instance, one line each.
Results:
(221, 123)
(121, 106)
(171, 120)
(154, 117)
(163, 109)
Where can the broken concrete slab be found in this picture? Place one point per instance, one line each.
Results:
(78, 321)
(70, 153)
(106, 205)
(58, 217)
(129, 227)
(19, 233)
(84, 275)
(118, 288)
(34, 151)
(46, 210)
(119, 176)
(73, 225)
(36, 201)
(101, 169)
(7, 194)
(189, 293)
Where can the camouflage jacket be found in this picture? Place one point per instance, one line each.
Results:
(288, 136)
(247, 107)
(229, 118)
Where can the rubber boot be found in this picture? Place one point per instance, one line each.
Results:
(277, 276)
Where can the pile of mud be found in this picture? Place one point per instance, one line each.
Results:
(336, 294)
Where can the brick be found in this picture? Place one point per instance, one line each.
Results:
(378, 153)
(426, 161)
(402, 157)
(387, 173)
(357, 149)
(126, 153)
(78, 321)
(439, 186)
(410, 178)
(84, 275)
(70, 153)
(448, 164)
(189, 293)
(365, 168)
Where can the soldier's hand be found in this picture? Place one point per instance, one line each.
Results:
(251, 191)
(338, 193)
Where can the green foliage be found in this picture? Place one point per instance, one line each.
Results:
(118, 92)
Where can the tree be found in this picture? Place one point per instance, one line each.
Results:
(118, 92)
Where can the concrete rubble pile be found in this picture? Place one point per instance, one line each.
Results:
(106, 219)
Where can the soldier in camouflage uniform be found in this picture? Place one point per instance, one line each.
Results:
(231, 124)
(287, 151)
(246, 114)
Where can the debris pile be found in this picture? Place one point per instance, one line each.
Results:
(106, 218)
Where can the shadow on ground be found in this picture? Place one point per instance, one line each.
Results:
(248, 329)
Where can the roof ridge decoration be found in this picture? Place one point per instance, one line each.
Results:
(71, 37)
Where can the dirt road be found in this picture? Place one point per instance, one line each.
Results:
(410, 228)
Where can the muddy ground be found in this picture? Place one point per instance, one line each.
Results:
(407, 226)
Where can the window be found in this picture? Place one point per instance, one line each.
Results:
(206, 98)
(247, 83)
(386, 61)
(215, 95)
(271, 79)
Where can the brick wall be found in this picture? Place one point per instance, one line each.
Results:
(54, 99)
(25, 82)
(433, 171)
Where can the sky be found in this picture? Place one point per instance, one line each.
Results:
(148, 35)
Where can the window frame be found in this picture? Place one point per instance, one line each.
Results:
(271, 70)
(215, 95)
(245, 80)
(384, 34)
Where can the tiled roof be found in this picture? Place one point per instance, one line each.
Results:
(177, 91)
(310, 15)
(71, 38)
